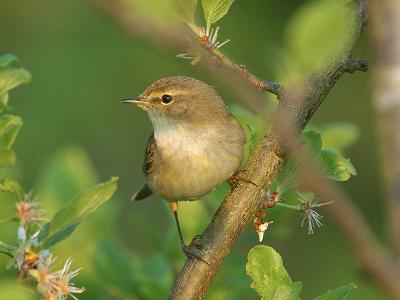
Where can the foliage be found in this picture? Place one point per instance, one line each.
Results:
(185, 9)
(32, 255)
(340, 293)
(214, 10)
(336, 167)
(333, 164)
(339, 136)
(271, 281)
(325, 25)
(10, 77)
(67, 218)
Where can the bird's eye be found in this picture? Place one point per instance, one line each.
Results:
(166, 99)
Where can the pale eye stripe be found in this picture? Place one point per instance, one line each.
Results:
(171, 92)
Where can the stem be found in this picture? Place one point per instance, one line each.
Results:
(8, 220)
(6, 249)
(293, 207)
(222, 60)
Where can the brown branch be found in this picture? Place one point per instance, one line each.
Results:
(263, 166)
(385, 16)
(220, 59)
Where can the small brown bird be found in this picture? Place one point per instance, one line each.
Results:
(197, 144)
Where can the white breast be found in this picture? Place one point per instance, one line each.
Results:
(177, 138)
(193, 161)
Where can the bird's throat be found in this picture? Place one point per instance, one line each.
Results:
(179, 137)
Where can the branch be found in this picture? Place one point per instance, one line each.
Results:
(263, 166)
(239, 206)
(385, 16)
(219, 59)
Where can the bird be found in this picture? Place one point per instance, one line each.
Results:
(196, 144)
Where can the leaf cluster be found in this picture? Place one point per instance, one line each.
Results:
(272, 282)
(36, 236)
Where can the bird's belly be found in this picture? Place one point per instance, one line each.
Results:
(191, 177)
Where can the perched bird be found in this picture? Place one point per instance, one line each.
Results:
(197, 144)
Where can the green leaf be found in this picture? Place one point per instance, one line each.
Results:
(317, 34)
(215, 10)
(270, 279)
(341, 293)
(336, 167)
(339, 136)
(185, 9)
(313, 140)
(11, 186)
(9, 128)
(65, 220)
(7, 157)
(12, 77)
(3, 101)
(7, 59)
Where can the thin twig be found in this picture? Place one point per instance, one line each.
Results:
(220, 59)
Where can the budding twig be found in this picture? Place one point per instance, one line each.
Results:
(212, 47)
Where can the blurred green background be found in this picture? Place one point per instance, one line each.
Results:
(76, 133)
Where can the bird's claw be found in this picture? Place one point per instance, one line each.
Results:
(193, 250)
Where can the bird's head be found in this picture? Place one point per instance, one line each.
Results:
(180, 99)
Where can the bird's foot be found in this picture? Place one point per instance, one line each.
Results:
(195, 249)
(238, 178)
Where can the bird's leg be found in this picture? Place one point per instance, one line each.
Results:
(174, 208)
(185, 248)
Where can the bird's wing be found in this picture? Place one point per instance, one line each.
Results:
(144, 191)
(149, 156)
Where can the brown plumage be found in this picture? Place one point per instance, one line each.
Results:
(197, 144)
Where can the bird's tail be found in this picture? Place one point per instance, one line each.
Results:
(142, 193)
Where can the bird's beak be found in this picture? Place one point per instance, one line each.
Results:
(138, 101)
